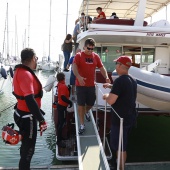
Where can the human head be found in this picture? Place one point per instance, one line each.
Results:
(114, 13)
(123, 64)
(89, 46)
(60, 76)
(99, 10)
(125, 60)
(68, 36)
(28, 57)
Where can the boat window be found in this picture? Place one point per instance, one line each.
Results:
(108, 54)
(148, 55)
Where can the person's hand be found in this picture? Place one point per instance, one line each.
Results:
(105, 96)
(108, 80)
(43, 127)
(107, 85)
(70, 104)
(81, 80)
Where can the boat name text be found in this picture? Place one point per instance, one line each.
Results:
(155, 34)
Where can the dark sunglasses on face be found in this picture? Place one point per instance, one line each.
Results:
(90, 48)
(117, 62)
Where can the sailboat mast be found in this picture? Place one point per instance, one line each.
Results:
(7, 34)
(50, 32)
(29, 25)
(67, 17)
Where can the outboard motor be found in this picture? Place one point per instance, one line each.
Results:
(3, 73)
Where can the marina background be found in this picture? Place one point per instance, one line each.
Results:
(18, 23)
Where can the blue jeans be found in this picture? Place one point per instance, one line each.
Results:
(66, 58)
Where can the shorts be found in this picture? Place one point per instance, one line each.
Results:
(114, 137)
(72, 78)
(85, 95)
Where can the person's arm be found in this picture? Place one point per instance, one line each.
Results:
(105, 75)
(33, 107)
(76, 73)
(107, 85)
(110, 98)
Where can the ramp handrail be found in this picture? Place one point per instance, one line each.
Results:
(96, 135)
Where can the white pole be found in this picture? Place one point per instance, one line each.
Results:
(140, 13)
(120, 139)
(104, 133)
(29, 24)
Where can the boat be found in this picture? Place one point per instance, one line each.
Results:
(129, 35)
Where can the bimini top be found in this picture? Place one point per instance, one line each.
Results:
(123, 8)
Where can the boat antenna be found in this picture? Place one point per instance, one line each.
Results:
(29, 24)
(50, 33)
(67, 17)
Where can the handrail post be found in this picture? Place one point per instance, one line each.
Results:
(104, 133)
(120, 140)
(97, 101)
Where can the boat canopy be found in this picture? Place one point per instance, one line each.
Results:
(123, 8)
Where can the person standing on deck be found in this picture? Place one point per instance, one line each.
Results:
(67, 49)
(72, 76)
(28, 91)
(122, 98)
(84, 66)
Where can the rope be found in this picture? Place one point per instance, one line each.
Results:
(120, 134)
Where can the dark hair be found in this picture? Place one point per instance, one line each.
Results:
(98, 8)
(60, 76)
(27, 55)
(68, 37)
(82, 13)
(90, 41)
(114, 13)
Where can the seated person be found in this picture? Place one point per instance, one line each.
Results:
(63, 102)
(100, 16)
(114, 16)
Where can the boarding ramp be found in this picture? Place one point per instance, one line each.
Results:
(90, 150)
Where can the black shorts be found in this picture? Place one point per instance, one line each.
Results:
(85, 95)
(114, 137)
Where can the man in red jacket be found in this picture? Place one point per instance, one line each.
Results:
(28, 91)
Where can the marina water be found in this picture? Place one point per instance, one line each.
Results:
(45, 146)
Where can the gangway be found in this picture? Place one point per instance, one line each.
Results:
(91, 154)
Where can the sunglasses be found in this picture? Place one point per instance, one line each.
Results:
(117, 62)
(36, 58)
(90, 48)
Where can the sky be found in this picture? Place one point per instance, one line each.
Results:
(18, 12)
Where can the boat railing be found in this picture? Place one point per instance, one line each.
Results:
(98, 89)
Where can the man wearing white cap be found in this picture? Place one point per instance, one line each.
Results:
(122, 98)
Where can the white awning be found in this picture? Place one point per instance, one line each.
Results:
(123, 8)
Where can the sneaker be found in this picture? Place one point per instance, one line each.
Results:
(87, 115)
(61, 144)
(81, 129)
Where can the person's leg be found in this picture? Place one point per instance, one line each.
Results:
(81, 96)
(90, 100)
(66, 57)
(61, 112)
(29, 131)
(81, 111)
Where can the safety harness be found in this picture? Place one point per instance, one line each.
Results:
(40, 94)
